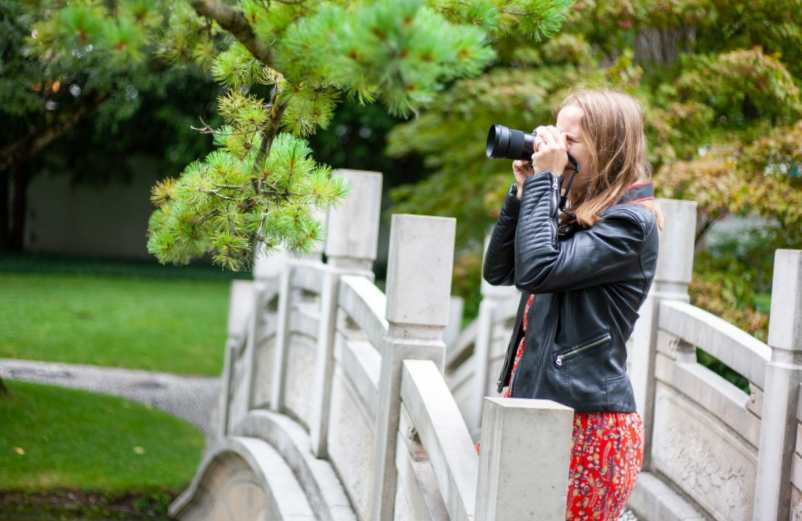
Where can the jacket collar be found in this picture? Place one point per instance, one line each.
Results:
(639, 191)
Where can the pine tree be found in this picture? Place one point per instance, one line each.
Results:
(284, 65)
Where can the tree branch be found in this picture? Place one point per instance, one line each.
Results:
(233, 21)
(38, 139)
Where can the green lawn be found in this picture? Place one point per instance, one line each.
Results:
(160, 323)
(53, 438)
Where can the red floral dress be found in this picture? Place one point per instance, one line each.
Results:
(606, 456)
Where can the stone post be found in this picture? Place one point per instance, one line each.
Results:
(516, 430)
(356, 221)
(780, 397)
(351, 245)
(672, 276)
(492, 299)
(418, 289)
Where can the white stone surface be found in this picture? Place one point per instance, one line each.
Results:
(785, 326)
(516, 430)
(738, 349)
(654, 500)
(300, 376)
(703, 457)
(675, 264)
(443, 433)
(354, 223)
(351, 439)
(317, 477)
(242, 478)
(421, 254)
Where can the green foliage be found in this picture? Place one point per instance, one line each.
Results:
(217, 205)
(720, 86)
(284, 66)
(398, 52)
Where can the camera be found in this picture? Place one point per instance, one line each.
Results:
(508, 143)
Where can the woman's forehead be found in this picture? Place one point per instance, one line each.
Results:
(569, 119)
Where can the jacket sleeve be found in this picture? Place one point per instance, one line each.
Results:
(606, 252)
(499, 261)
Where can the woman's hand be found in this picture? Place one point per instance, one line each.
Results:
(551, 150)
(521, 169)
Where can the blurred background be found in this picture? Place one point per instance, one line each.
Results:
(84, 139)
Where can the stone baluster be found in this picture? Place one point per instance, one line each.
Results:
(355, 211)
(516, 430)
(492, 299)
(418, 288)
(240, 313)
(778, 427)
(351, 243)
(280, 353)
(268, 273)
(672, 276)
(452, 332)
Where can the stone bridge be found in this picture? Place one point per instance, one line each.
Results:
(343, 401)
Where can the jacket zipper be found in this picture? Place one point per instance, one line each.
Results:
(561, 357)
(555, 192)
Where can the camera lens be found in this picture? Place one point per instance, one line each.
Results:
(503, 142)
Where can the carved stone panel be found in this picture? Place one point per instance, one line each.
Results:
(351, 442)
(300, 377)
(702, 457)
(263, 372)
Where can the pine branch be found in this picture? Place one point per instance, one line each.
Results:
(271, 129)
(233, 21)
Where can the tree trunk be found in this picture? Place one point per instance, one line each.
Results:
(3, 388)
(19, 205)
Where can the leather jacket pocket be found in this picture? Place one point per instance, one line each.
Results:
(564, 356)
(580, 371)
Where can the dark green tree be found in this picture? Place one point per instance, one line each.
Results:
(67, 111)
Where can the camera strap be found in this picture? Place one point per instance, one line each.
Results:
(564, 195)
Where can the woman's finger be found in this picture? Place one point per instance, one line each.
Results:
(548, 136)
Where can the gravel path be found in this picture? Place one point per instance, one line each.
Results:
(188, 397)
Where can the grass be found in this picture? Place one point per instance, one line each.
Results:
(54, 438)
(135, 315)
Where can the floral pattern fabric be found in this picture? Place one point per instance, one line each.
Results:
(606, 456)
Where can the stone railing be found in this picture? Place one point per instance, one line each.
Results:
(344, 382)
(712, 451)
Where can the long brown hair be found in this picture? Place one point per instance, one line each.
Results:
(612, 130)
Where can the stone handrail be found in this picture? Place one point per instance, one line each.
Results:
(364, 303)
(444, 435)
(738, 349)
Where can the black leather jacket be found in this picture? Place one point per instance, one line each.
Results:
(588, 286)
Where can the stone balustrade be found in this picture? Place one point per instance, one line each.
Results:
(372, 398)
(344, 383)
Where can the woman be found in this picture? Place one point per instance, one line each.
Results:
(583, 274)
